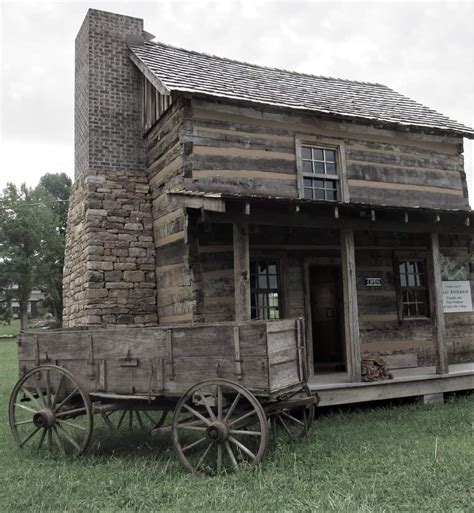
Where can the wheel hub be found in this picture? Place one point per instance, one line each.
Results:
(44, 418)
(217, 432)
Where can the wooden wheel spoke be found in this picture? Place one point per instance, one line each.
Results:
(130, 420)
(59, 390)
(233, 406)
(140, 421)
(30, 421)
(70, 439)
(65, 400)
(219, 458)
(107, 421)
(75, 412)
(121, 419)
(43, 436)
(219, 402)
(243, 417)
(48, 388)
(188, 427)
(32, 398)
(50, 438)
(285, 427)
(203, 456)
(294, 419)
(39, 392)
(29, 437)
(193, 444)
(242, 447)
(149, 417)
(26, 408)
(208, 408)
(57, 439)
(71, 424)
(244, 432)
(196, 414)
(235, 465)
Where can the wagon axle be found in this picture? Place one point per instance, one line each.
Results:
(44, 418)
(217, 432)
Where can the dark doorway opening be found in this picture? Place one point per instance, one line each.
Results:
(325, 286)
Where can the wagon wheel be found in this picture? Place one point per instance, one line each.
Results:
(48, 407)
(219, 426)
(145, 420)
(291, 423)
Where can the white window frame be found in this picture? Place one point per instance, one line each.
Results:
(325, 143)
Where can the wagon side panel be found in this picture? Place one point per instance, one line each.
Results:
(285, 354)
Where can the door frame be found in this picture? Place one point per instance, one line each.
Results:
(307, 263)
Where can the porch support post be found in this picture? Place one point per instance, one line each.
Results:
(241, 272)
(351, 311)
(436, 299)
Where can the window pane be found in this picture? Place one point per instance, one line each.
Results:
(403, 280)
(331, 195)
(273, 282)
(306, 152)
(318, 184)
(317, 154)
(307, 166)
(411, 280)
(331, 169)
(319, 194)
(330, 184)
(272, 269)
(410, 267)
(308, 193)
(307, 182)
(319, 167)
(330, 155)
(405, 311)
(262, 281)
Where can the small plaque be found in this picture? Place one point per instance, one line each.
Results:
(457, 296)
(373, 282)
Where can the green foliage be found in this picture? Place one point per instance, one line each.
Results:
(411, 458)
(32, 233)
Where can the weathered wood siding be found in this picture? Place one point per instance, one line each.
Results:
(166, 151)
(381, 333)
(252, 151)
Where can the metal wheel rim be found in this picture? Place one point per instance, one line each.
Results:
(235, 444)
(62, 431)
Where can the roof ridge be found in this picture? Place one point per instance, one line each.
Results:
(298, 73)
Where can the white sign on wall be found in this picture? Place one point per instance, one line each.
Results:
(457, 296)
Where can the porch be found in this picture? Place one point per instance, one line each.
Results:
(355, 249)
(335, 388)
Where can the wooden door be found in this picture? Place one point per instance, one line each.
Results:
(325, 287)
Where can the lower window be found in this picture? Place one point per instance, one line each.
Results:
(413, 289)
(265, 289)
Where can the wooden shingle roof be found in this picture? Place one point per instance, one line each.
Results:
(188, 71)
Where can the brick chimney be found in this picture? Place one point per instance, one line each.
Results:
(109, 263)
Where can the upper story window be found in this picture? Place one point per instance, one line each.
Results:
(321, 169)
(319, 173)
(413, 289)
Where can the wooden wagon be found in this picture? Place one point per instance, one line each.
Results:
(226, 384)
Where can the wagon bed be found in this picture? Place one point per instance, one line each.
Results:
(224, 383)
(265, 357)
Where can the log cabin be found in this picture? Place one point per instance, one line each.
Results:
(209, 190)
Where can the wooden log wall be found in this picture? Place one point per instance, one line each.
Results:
(166, 152)
(381, 333)
(249, 150)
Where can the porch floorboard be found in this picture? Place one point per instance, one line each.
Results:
(335, 389)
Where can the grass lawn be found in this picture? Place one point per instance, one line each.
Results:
(408, 458)
(10, 329)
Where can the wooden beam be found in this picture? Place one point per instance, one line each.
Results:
(241, 272)
(351, 311)
(436, 299)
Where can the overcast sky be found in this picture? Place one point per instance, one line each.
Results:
(422, 49)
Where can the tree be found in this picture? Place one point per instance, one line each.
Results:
(54, 191)
(21, 228)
